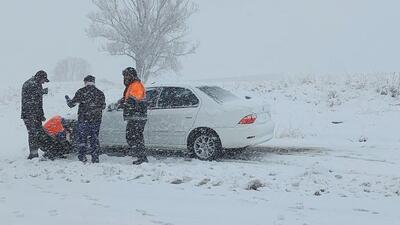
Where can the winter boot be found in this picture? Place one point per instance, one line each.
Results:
(32, 156)
(48, 155)
(140, 160)
(95, 159)
(82, 158)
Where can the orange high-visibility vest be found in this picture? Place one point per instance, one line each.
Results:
(54, 126)
(136, 89)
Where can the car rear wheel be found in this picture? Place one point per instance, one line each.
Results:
(205, 145)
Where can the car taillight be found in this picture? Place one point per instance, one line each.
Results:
(250, 119)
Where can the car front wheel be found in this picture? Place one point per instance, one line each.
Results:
(206, 145)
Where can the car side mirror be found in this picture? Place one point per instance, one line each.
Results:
(111, 107)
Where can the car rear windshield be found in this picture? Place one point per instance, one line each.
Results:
(218, 94)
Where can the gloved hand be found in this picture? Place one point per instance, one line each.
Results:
(69, 101)
(45, 91)
(120, 103)
(43, 119)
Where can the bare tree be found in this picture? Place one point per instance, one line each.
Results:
(151, 32)
(71, 69)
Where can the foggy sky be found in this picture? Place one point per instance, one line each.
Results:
(237, 38)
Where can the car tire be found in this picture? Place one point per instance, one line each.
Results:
(205, 144)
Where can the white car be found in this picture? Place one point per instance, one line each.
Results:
(200, 119)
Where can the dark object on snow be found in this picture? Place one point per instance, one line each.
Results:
(255, 185)
(177, 181)
(32, 110)
(363, 139)
(317, 193)
(91, 105)
(337, 122)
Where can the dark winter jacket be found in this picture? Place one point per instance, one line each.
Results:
(32, 100)
(91, 102)
(135, 107)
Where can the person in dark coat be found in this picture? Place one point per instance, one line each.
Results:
(91, 105)
(135, 113)
(32, 110)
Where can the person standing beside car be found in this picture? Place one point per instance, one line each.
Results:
(135, 113)
(32, 110)
(91, 102)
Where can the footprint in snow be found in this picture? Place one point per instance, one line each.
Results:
(143, 212)
(177, 181)
(203, 182)
(181, 181)
(217, 183)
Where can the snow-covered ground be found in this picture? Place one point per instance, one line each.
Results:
(335, 159)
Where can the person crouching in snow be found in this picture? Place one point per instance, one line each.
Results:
(55, 127)
(56, 142)
(91, 105)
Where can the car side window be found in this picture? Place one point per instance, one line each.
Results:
(177, 97)
(152, 97)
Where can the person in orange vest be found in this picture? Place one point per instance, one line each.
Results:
(55, 144)
(135, 113)
(55, 128)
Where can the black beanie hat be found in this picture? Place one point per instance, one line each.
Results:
(42, 75)
(90, 78)
(130, 71)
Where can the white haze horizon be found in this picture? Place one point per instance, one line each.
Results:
(237, 38)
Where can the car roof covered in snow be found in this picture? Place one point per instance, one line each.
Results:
(188, 84)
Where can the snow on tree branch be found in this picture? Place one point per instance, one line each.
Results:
(151, 32)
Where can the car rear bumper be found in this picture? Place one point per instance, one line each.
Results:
(246, 135)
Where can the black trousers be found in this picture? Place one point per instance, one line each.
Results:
(35, 133)
(55, 147)
(135, 138)
(87, 138)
